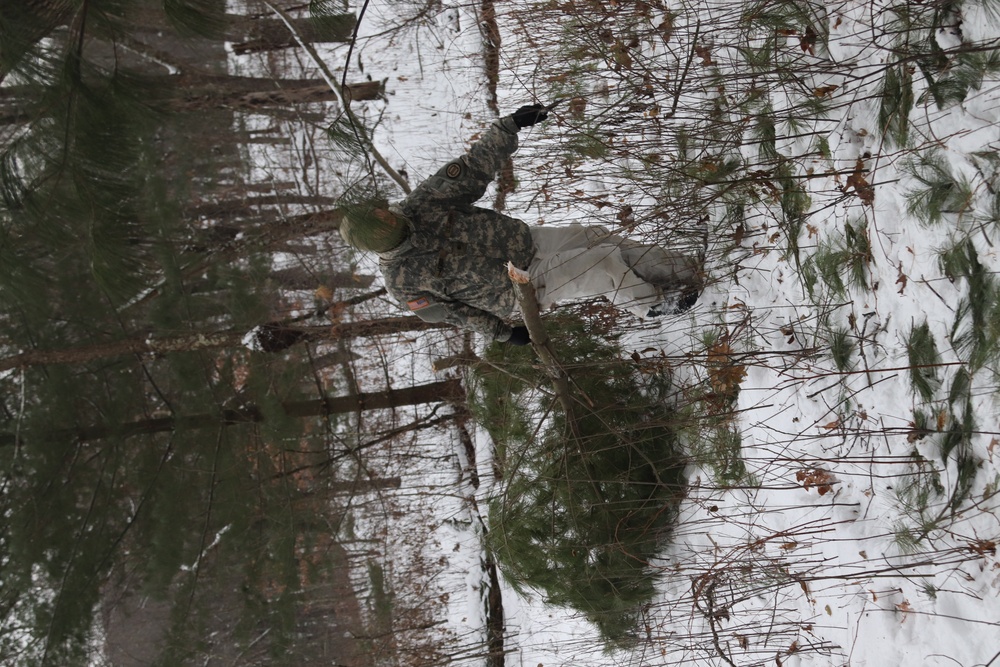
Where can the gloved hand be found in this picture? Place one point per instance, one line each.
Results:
(519, 336)
(529, 115)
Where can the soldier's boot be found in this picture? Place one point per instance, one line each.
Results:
(675, 303)
(678, 277)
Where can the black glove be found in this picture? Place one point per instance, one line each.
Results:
(519, 336)
(529, 115)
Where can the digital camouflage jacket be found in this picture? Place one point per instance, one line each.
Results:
(453, 266)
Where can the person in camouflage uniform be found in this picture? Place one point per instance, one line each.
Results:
(446, 259)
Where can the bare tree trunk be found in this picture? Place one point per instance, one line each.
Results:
(250, 206)
(352, 487)
(250, 35)
(198, 91)
(209, 341)
(435, 392)
(298, 278)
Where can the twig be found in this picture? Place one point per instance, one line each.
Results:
(344, 101)
(708, 593)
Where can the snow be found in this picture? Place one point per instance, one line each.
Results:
(808, 566)
(251, 340)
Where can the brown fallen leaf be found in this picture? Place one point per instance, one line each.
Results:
(904, 608)
(666, 28)
(863, 189)
(808, 41)
(705, 53)
(816, 478)
(983, 547)
(626, 216)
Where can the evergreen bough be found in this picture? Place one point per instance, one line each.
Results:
(582, 510)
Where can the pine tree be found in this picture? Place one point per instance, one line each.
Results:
(124, 454)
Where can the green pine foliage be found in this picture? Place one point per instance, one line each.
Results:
(895, 103)
(928, 505)
(975, 333)
(718, 446)
(795, 205)
(918, 495)
(764, 133)
(585, 507)
(922, 352)
(842, 348)
(950, 75)
(587, 144)
(205, 18)
(939, 192)
(788, 15)
(99, 246)
(964, 75)
(840, 263)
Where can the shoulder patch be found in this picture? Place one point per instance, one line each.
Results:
(417, 304)
(453, 170)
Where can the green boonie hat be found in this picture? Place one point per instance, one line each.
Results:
(374, 229)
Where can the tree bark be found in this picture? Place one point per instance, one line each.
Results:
(298, 278)
(267, 237)
(364, 485)
(251, 206)
(198, 91)
(207, 341)
(445, 391)
(250, 35)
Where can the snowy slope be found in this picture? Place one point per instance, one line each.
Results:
(818, 558)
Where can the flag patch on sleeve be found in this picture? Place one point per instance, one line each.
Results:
(417, 304)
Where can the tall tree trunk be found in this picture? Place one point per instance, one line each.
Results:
(443, 391)
(199, 91)
(269, 237)
(190, 92)
(250, 35)
(209, 341)
(298, 278)
(251, 206)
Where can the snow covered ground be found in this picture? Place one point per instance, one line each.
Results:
(839, 546)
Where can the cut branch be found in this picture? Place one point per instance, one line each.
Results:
(557, 374)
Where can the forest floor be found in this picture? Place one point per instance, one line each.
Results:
(846, 160)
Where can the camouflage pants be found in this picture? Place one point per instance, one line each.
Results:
(575, 262)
